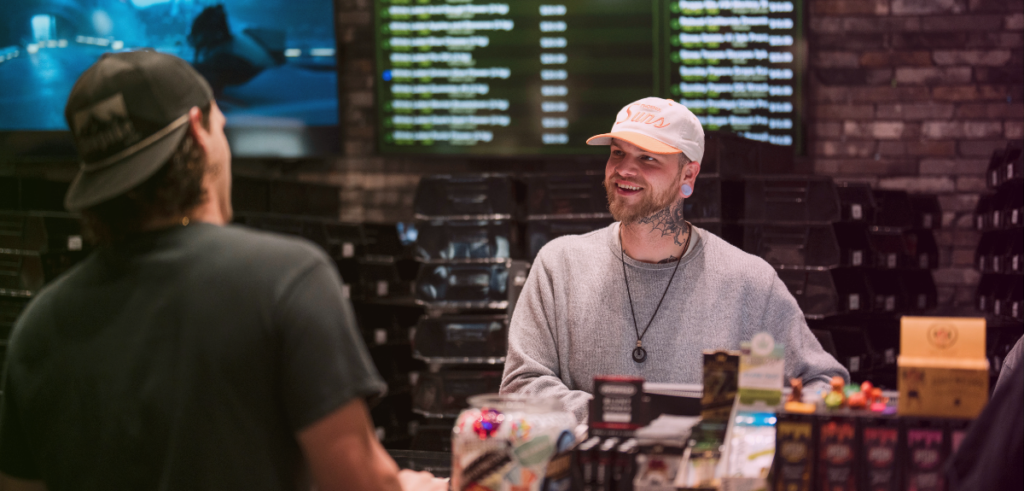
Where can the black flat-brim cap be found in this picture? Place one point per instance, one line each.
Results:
(128, 113)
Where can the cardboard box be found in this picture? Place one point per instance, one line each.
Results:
(942, 371)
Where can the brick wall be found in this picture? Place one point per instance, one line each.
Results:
(915, 95)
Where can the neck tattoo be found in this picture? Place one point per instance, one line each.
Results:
(639, 353)
(670, 222)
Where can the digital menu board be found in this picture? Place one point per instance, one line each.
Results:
(734, 64)
(536, 77)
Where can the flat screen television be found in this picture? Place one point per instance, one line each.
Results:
(538, 77)
(271, 63)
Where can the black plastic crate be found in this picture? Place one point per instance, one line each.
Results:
(250, 195)
(855, 247)
(922, 249)
(854, 350)
(438, 463)
(433, 435)
(927, 211)
(984, 294)
(853, 290)
(890, 249)
(1000, 295)
(379, 277)
(470, 285)
(1013, 206)
(792, 199)
(919, 285)
(890, 294)
(394, 363)
(444, 394)
(489, 197)
(392, 418)
(999, 251)
(21, 273)
(339, 239)
(382, 239)
(40, 232)
(983, 212)
(299, 198)
(894, 209)
(1005, 165)
(540, 232)
(467, 240)
(462, 339)
(814, 291)
(32, 194)
(549, 195)
(814, 246)
(10, 309)
(857, 202)
(730, 155)
(714, 199)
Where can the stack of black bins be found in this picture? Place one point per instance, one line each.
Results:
(1000, 219)
(563, 204)
(377, 270)
(38, 242)
(717, 204)
(788, 222)
(468, 246)
(886, 251)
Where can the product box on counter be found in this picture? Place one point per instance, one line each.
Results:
(942, 368)
(617, 407)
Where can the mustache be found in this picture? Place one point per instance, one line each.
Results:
(610, 182)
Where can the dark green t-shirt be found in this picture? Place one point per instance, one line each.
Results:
(184, 359)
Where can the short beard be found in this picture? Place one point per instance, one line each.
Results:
(647, 207)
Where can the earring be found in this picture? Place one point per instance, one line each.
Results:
(687, 190)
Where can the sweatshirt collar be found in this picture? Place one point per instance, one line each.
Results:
(615, 245)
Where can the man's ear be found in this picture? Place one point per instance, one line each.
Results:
(196, 129)
(688, 177)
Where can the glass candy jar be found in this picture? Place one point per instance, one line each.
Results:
(511, 442)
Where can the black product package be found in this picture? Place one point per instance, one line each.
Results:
(925, 455)
(606, 457)
(880, 454)
(625, 466)
(721, 383)
(837, 454)
(794, 452)
(584, 463)
(617, 407)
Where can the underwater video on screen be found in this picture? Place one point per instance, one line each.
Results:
(271, 63)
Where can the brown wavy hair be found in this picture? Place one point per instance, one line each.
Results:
(174, 190)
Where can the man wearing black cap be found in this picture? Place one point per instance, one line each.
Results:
(183, 353)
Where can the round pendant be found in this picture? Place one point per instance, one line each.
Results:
(639, 354)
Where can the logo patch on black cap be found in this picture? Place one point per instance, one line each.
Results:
(104, 128)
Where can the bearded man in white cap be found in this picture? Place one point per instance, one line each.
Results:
(648, 294)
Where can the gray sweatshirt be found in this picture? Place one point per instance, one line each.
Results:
(573, 320)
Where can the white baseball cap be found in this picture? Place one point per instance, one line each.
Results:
(661, 126)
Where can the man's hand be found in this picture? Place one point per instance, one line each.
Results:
(421, 481)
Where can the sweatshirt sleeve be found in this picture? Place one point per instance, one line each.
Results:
(531, 365)
(805, 357)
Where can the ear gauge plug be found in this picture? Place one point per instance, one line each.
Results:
(687, 190)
